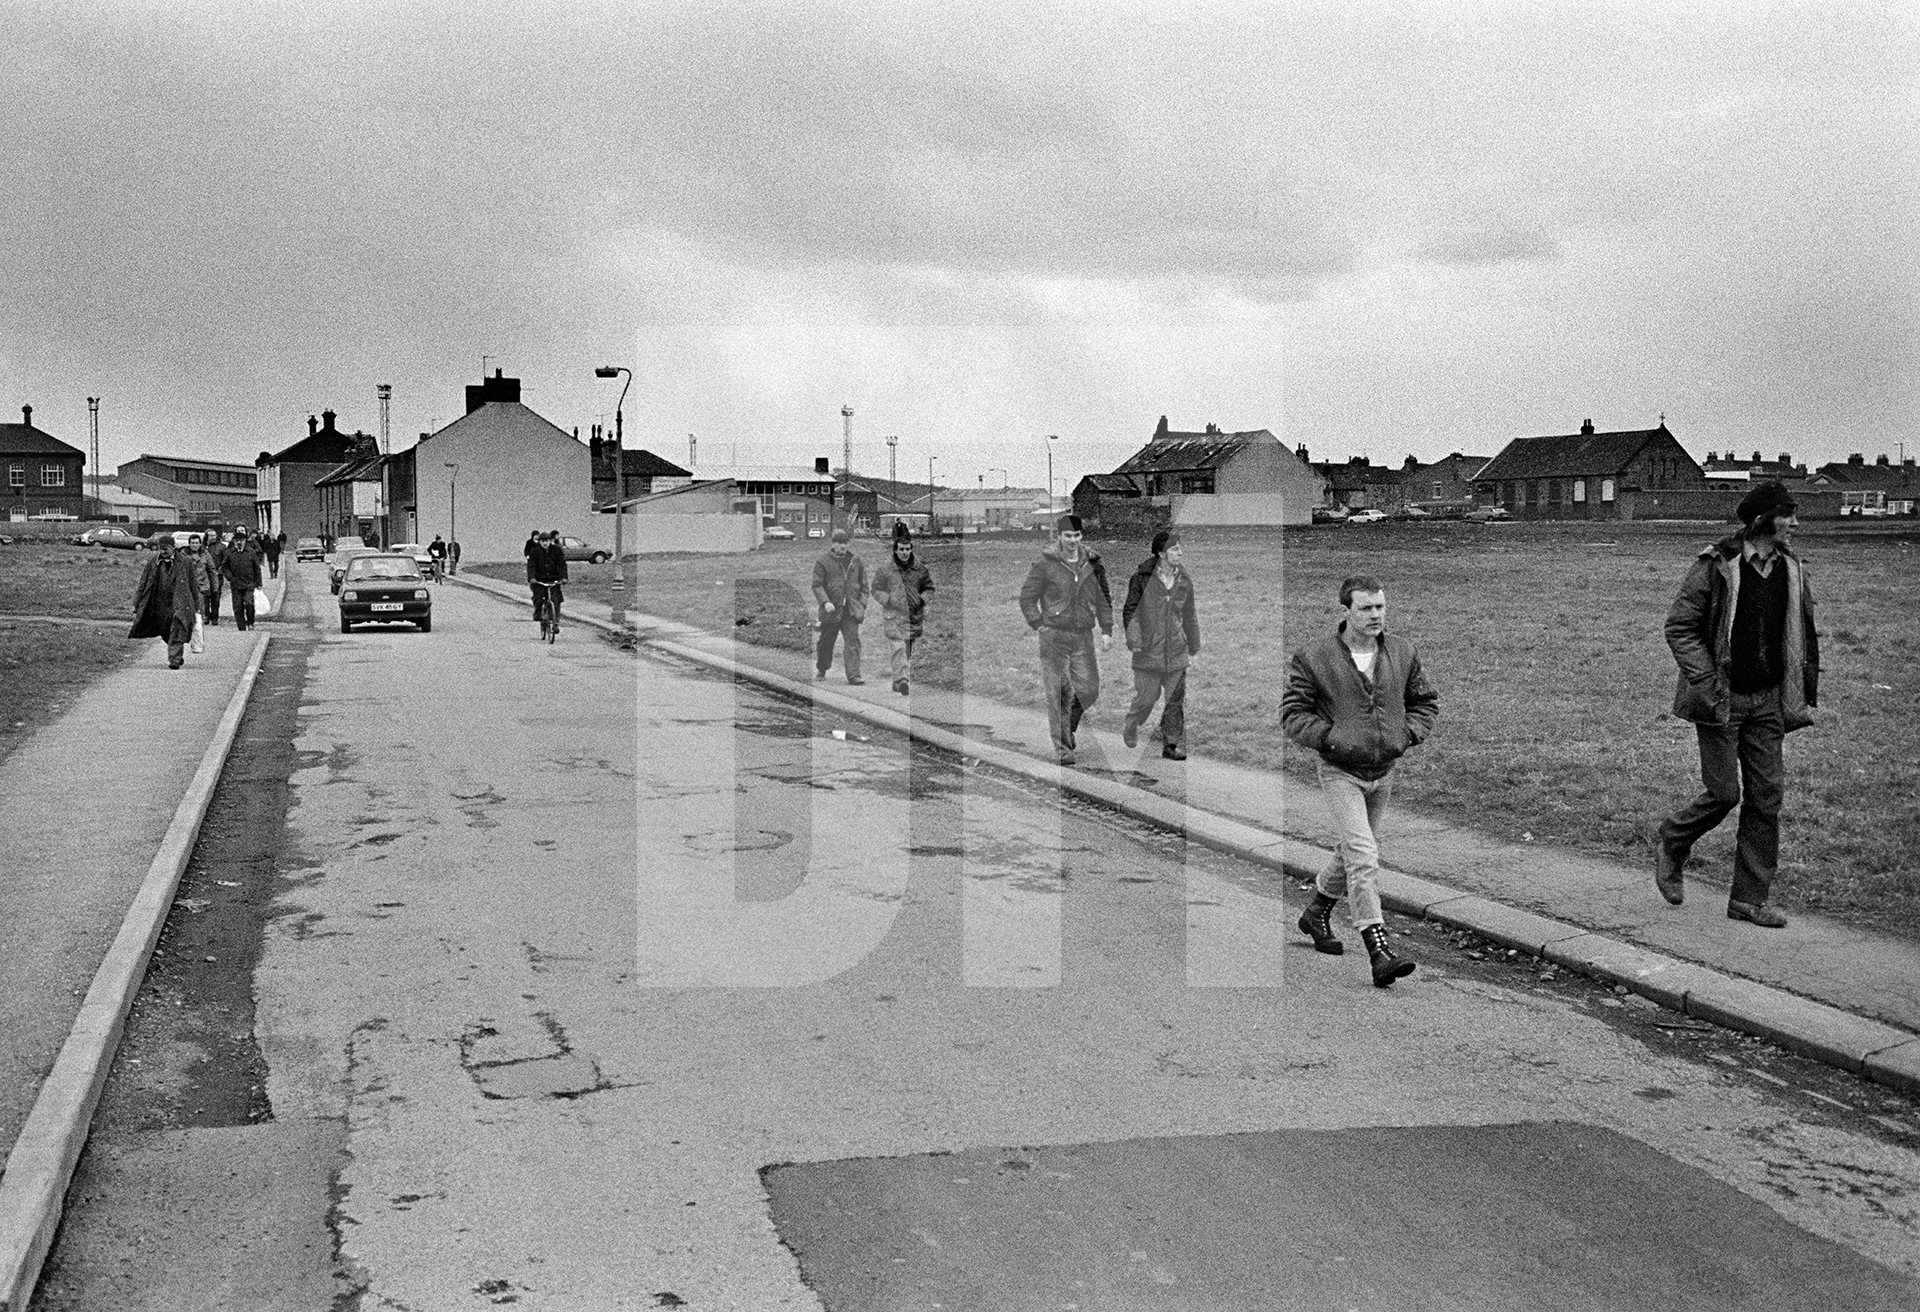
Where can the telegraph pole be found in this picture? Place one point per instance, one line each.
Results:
(93, 422)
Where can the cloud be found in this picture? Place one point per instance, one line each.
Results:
(1490, 245)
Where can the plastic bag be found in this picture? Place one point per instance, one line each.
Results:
(199, 643)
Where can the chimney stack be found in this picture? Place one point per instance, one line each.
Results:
(1586, 429)
(1882, 462)
(326, 421)
(313, 425)
(820, 465)
(1786, 460)
(26, 413)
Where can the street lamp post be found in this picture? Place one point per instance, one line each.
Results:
(1051, 439)
(619, 495)
(930, 523)
(453, 505)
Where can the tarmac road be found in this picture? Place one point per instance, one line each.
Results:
(593, 982)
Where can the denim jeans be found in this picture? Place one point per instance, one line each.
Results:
(1147, 687)
(1356, 807)
(842, 626)
(1070, 676)
(1741, 764)
(900, 657)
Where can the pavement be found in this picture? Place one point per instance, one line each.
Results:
(88, 888)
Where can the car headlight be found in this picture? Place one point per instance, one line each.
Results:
(419, 594)
(349, 595)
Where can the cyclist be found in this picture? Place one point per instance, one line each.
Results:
(546, 571)
(438, 550)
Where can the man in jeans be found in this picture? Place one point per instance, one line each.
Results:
(840, 588)
(1064, 598)
(1359, 699)
(1742, 633)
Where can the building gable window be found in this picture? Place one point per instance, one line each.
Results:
(1606, 489)
(1436, 492)
(1200, 483)
(16, 475)
(53, 476)
(1579, 490)
(1553, 490)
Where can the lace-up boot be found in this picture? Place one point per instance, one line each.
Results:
(1388, 966)
(1316, 924)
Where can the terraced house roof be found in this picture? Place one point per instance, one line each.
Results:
(1569, 455)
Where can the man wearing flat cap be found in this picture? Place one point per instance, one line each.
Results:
(1742, 631)
(840, 588)
(1064, 599)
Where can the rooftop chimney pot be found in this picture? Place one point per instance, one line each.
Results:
(26, 412)
(1586, 429)
(313, 425)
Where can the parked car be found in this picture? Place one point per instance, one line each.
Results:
(778, 532)
(112, 536)
(578, 550)
(343, 556)
(1367, 516)
(1329, 514)
(309, 549)
(183, 538)
(421, 556)
(1411, 512)
(1488, 515)
(383, 587)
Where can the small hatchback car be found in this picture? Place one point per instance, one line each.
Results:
(382, 587)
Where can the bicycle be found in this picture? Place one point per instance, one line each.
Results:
(547, 609)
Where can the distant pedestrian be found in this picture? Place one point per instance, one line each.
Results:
(1163, 633)
(1742, 633)
(271, 550)
(532, 547)
(241, 570)
(166, 601)
(901, 586)
(1065, 597)
(453, 556)
(840, 589)
(1358, 698)
(215, 559)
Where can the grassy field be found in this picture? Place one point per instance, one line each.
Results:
(1544, 641)
(43, 666)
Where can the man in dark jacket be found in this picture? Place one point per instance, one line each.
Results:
(1742, 633)
(271, 545)
(840, 589)
(241, 569)
(1064, 597)
(1163, 633)
(901, 586)
(167, 599)
(546, 565)
(1359, 699)
(216, 562)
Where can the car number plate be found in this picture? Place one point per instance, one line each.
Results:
(388, 605)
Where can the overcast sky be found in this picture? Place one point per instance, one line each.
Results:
(1375, 230)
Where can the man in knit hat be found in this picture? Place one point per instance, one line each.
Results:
(1064, 599)
(840, 588)
(1742, 632)
(901, 586)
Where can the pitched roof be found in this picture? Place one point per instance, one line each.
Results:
(328, 446)
(1110, 483)
(762, 474)
(641, 463)
(1179, 452)
(26, 440)
(1569, 454)
(194, 462)
(1887, 477)
(366, 467)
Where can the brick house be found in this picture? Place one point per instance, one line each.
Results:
(42, 472)
(351, 500)
(1444, 485)
(1880, 488)
(638, 469)
(286, 500)
(1585, 475)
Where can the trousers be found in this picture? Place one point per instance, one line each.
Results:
(1743, 764)
(846, 629)
(1070, 679)
(1147, 687)
(1357, 806)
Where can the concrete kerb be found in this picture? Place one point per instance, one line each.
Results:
(34, 1186)
(1883, 1053)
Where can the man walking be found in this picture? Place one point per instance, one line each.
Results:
(272, 550)
(166, 601)
(1358, 698)
(1163, 633)
(901, 586)
(840, 588)
(216, 561)
(1064, 598)
(1742, 633)
(241, 569)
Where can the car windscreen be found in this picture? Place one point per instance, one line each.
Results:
(382, 567)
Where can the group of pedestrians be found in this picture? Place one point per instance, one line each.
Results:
(1741, 631)
(180, 586)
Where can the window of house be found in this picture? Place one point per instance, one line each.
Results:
(1579, 490)
(1606, 489)
(1201, 483)
(53, 476)
(1553, 490)
(16, 475)
(1436, 492)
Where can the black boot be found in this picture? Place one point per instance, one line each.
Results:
(1386, 966)
(1316, 925)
